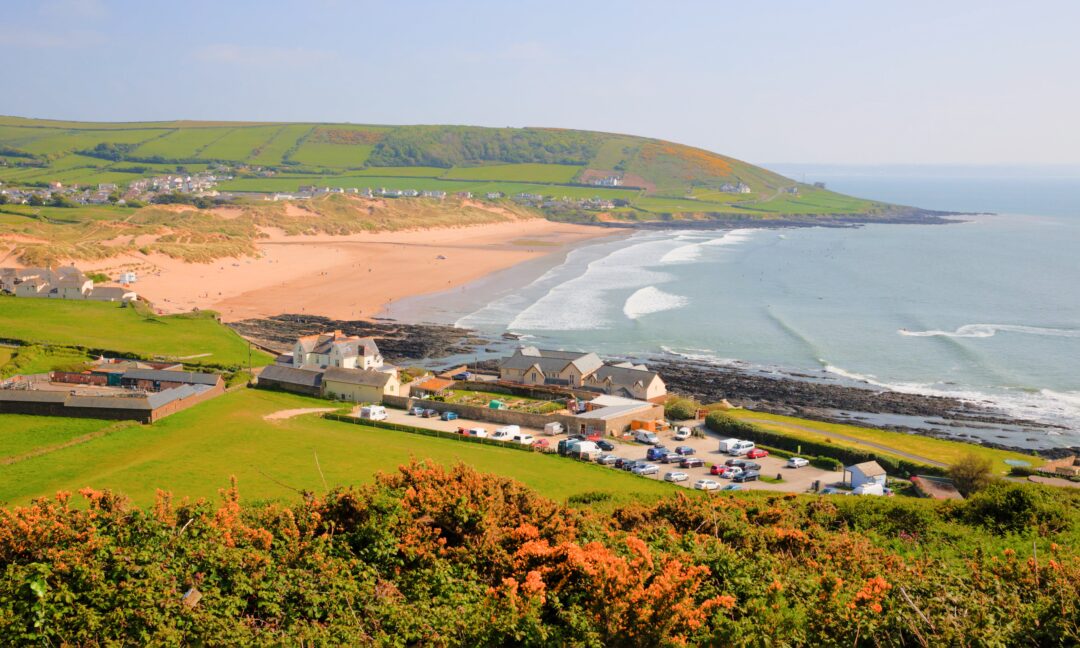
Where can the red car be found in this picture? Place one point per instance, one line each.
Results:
(757, 453)
(719, 470)
(541, 444)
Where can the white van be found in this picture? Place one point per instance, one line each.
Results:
(373, 412)
(644, 436)
(506, 431)
(523, 439)
(553, 428)
(727, 444)
(741, 448)
(477, 432)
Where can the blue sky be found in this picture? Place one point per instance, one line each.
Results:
(859, 82)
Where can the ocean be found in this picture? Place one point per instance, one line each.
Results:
(987, 310)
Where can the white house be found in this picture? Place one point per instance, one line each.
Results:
(337, 350)
(866, 473)
(128, 277)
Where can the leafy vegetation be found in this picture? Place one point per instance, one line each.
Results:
(448, 146)
(435, 556)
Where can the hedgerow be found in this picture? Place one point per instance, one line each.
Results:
(451, 557)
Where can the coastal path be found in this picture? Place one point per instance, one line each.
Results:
(851, 439)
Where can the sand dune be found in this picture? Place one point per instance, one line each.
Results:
(346, 277)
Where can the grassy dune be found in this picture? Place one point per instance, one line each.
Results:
(104, 325)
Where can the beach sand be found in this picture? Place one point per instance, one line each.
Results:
(344, 277)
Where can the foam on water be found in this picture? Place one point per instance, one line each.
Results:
(692, 251)
(989, 330)
(651, 299)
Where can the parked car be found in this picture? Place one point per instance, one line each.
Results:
(656, 453)
(449, 416)
(607, 459)
(523, 439)
(748, 476)
(644, 436)
(684, 450)
(682, 433)
(477, 432)
(541, 444)
(645, 469)
(501, 434)
(706, 484)
(622, 461)
(671, 457)
(735, 462)
(692, 462)
(731, 487)
(727, 444)
(508, 430)
(797, 462)
(631, 464)
(757, 453)
(429, 413)
(416, 411)
(606, 446)
(717, 469)
(730, 472)
(464, 375)
(676, 476)
(750, 465)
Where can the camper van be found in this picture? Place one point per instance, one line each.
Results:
(373, 412)
(506, 432)
(554, 428)
(644, 436)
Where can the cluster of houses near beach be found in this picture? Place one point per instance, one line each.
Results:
(202, 183)
(65, 282)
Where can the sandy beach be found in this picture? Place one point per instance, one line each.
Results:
(344, 277)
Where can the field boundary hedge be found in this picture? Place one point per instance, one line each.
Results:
(400, 427)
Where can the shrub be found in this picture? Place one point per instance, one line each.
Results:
(680, 409)
(971, 474)
(589, 497)
(826, 463)
(1012, 508)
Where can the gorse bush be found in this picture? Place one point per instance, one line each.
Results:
(680, 409)
(451, 557)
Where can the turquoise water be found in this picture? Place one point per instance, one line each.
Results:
(984, 310)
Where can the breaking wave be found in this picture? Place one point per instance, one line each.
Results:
(692, 251)
(651, 299)
(989, 330)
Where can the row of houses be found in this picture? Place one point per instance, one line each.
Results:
(66, 282)
(582, 370)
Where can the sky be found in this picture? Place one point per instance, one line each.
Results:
(834, 82)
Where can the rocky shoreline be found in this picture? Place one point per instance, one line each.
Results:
(912, 216)
(426, 344)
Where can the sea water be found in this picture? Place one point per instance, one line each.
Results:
(987, 310)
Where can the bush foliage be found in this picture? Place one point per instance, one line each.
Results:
(451, 557)
(447, 146)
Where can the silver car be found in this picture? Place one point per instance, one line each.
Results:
(646, 469)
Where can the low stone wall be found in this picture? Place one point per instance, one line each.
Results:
(79, 378)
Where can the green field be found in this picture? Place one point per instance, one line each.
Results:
(194, 453)
(937, 449)
(554, 173)
(239, 144)
(449, 158)
(104, 325)
(20, 434)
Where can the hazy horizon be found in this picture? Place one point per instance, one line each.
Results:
(969, 83)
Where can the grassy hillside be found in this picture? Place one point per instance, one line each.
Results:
(660, 178)
(194, 339)
(193, 453)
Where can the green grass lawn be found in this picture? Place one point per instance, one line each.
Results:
(239, 144)
(193, 453)
(320, 154)
(931, 448)
(38, 359)
(105, 325)
(516, 172)
(20, 434)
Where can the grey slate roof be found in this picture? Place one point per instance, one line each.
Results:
(605, 413)
(32, 396)
(366, 377)
(189, 377)
(625, 375)
(292, 375)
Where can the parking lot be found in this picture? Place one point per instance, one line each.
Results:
(795, 480)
